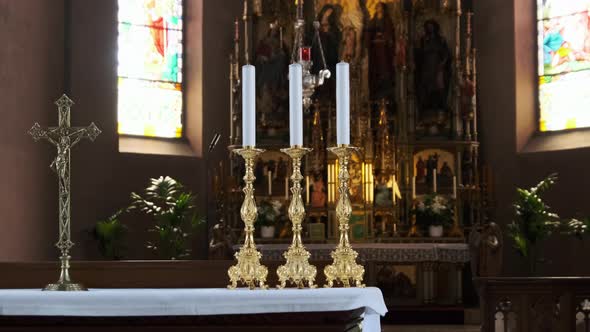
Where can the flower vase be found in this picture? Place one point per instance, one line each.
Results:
(435, 231)
(267, 232)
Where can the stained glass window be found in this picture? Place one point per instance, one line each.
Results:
(564, 64)
(150, 68)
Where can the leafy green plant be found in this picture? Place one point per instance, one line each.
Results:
(535, 222)
(110, 235)
(174, 213)
(434, 210)
(268, 212)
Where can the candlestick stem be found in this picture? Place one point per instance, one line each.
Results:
(344, 268)
(297, 270)
(248, 269)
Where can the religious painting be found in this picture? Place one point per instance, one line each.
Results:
(431, 163)
(381, 47)
(564, 64)
(433, 63)
(150, 50)
(318, 189)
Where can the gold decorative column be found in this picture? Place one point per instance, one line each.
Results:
(344, 268)
(297, 270)
(248, 270)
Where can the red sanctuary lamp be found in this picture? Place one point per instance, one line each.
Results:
(305, 53)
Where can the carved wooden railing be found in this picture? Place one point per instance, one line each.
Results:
(552, 304)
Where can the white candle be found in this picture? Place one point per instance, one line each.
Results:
(434, 180)
(454, 187)
(286, 188)
(342, 104)
(295, 104)
(269, 183)
(413, 187)
(248, 105)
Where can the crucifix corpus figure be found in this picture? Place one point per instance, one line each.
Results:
(64, 137)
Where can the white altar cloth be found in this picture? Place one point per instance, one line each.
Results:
(190, 302)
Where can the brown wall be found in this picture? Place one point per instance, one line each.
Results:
(31, 77)
(505, 37)
(32, 68)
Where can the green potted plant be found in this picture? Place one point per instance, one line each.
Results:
(175, 216)
(433, 213)
(268, 213)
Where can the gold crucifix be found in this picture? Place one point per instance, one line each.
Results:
(64, 137)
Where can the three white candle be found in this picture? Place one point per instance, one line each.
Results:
(295, 104)
(248, 106)
(342, 104)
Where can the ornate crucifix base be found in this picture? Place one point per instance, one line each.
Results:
(64, 283)
(64, 137)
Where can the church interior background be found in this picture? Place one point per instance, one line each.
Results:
(450, 104)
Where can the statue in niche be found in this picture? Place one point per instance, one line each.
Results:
(381, 45)
(431, 167)
(433, 74)
(420, 170)
(445, 171)
(318, 191)
(331, 38)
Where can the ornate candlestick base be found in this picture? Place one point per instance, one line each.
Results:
(297, 270)
(344, 269)
(248, 270)
(64, 283)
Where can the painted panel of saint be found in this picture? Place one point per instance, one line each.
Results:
(433, 74)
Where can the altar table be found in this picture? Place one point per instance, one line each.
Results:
(427, 257)
(183, 303)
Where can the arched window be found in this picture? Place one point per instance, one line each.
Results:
(150, 54)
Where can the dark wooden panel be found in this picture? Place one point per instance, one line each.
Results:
(285, 322)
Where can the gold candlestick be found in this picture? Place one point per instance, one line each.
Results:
(248, 270)
(297, 270)
(344, 267)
